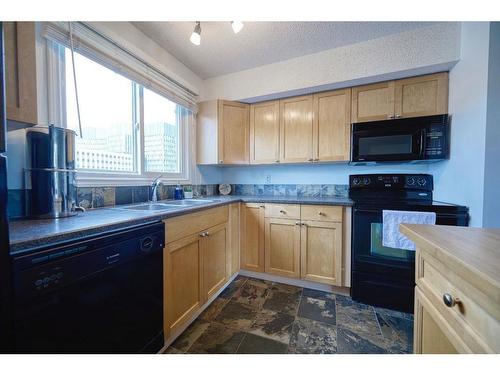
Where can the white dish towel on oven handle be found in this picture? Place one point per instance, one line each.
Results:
(391, 237)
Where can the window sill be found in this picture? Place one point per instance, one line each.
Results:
(113, 181)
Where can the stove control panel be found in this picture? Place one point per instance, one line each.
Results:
(391, 181)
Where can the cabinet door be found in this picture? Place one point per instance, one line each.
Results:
(321, 252)
(233, 142)
(421, 96)
(373, 102)
(20, 69)
(234, 238)
(282, 247)
(182, 287)
(215, 245)
(252, 237)
(429, 337)
(296, 129)
(264, 133)
(332, 121)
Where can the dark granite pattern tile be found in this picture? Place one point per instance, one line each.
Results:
(253, 344)
(103, 196)
(213, 310)
(124, 195)
(317, 309)
(141, 194)
(349, 342)
(280, 287)
(318, 294)
(273, 325)
(232, 288)
(394, 313)
(283, 301)
(251, 293)
(217, 339)
(84, 197)
(190, 335)
(397, 332)
(237, 315)
(312, 337)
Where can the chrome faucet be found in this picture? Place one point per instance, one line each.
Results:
(154, 187)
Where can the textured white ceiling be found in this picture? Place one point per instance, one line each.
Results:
(260, 43)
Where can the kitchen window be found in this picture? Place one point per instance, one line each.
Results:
(130, 133)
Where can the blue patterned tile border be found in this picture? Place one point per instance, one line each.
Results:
(290, 190)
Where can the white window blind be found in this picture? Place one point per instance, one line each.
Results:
(92, 44)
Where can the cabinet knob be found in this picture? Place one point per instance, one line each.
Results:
(262, 206)
(221, 161)
(276, 161)
(315, 159)
(390, 116)
(282, 212)
(449, 300)
(304, 224)
(398, 116)
(321, 213)
(310, 159)
(297, 223)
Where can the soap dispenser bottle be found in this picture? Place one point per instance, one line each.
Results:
(178, 192)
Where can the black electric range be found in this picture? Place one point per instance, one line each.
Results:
(385, 276)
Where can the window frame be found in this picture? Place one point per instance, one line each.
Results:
(88, 178)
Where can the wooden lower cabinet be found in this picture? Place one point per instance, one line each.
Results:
(183, 283)
(233, 263)
(215, 246)
(252, 237)
(321, 252)
(282, 250)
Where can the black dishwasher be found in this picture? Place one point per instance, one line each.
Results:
(101, 295)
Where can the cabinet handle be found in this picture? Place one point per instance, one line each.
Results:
(304, 224)
(202, 234)
(321, 213)
(297, 223)
(449, 300)
(310, 159)
(276, 161)
(221, 161)
(262, 206)
(398, 116)
(283, 212)
(390, 116)
(315, 159)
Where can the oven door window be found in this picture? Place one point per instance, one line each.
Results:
(367, 242)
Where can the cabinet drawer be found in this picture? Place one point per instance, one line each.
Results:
(283, 211)
(181, 226)
(469, 317)
(321, 213)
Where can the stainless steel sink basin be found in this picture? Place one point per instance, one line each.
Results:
(149, 207)
(188, 202)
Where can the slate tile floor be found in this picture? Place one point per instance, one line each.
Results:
(257, 316)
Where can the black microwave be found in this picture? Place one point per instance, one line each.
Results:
(418, 139)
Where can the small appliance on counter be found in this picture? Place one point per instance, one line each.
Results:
(51, 173)
(416, 140)
(384, 275)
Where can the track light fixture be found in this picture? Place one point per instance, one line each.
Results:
(196, 34)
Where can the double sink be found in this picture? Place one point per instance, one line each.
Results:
(167, 205)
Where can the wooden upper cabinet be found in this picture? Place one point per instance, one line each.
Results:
(282, 249)
(233, 132)
(264, 132)
(296, 129)
(373, 102)
(332, 121)
(20, 69)
(223, 132)
(252, 237)
(421, 96)
(215, 247)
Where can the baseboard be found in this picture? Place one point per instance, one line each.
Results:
(297, 282)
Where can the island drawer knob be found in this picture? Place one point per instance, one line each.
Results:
(283, 211)
(449, 300)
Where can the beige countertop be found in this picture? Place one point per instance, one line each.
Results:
(474, 253)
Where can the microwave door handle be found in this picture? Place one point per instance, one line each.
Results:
(422, 141)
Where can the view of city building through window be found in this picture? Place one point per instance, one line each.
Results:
(109, 141)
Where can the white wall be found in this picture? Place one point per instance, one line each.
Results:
(461, 179)
(424, 50)
(491, 212)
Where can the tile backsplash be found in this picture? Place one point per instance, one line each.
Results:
(97, 197)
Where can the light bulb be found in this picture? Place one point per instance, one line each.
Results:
(237, 26)
(196, 35)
